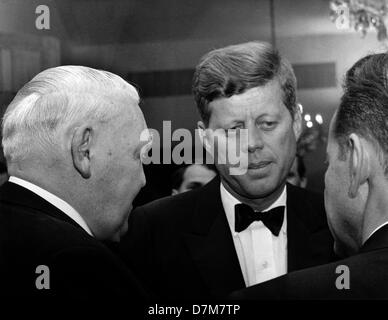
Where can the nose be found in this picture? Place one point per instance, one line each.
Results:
(255, 140)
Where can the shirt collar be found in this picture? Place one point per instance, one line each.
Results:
(54, 200)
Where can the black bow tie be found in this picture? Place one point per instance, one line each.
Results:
(245, 215)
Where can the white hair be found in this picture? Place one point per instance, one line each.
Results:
(54, 99)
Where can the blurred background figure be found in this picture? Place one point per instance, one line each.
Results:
(297, 174)
(191, 177)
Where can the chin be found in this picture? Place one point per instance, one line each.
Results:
(258, 192)
(259, 188)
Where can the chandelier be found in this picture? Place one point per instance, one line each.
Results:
(361, 16)
(313, 134)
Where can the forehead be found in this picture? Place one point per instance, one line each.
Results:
(128, 110)
(260, 100)
(129, 120)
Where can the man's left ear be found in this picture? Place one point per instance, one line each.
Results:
(359, 165)
(80, 150)
(297, 123)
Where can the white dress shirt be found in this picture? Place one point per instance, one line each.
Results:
(54, 200)
(262, 255)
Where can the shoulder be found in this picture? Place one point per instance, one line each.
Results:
(307, 205)
(312, 283)
(30, 238)
(180, 205)
(169, 213)
(24, 228)
(306, 196)
(364, 273)
(175, 202)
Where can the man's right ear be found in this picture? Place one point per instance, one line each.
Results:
(359, 166)
(80, 150)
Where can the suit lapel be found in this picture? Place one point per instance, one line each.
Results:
(298, 235)
(309, 239)
(211, 245)
(16, 195)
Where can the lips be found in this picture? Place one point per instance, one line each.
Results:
(259, 165)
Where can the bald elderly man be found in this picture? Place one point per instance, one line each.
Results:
(71, 138)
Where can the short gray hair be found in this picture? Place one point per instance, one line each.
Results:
(55, 98)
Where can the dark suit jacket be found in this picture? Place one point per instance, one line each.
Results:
(368, 277)
(33, 232)
(182, 245)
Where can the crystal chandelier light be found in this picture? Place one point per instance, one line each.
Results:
(361, 16)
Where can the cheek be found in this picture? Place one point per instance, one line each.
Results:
(329, 185)
(335, 192)
(132, 172)
(283, 145)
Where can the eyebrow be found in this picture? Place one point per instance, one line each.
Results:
(266, 114)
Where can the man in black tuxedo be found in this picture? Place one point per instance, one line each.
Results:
(247, 226)
(356, 197)
(71, 141)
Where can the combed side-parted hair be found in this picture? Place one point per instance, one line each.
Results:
(364, 105)
(54, 99)
(234, 69)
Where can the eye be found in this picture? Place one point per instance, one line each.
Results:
(232, 130)
(268, 125)
(236, 127)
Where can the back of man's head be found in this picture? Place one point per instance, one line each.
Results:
(364, 105)
(75, 132)
(52, 100)
(356, 181)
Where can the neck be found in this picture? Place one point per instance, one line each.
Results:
(65, 184)
(376, 210)
(258, 204)
(50, 181)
